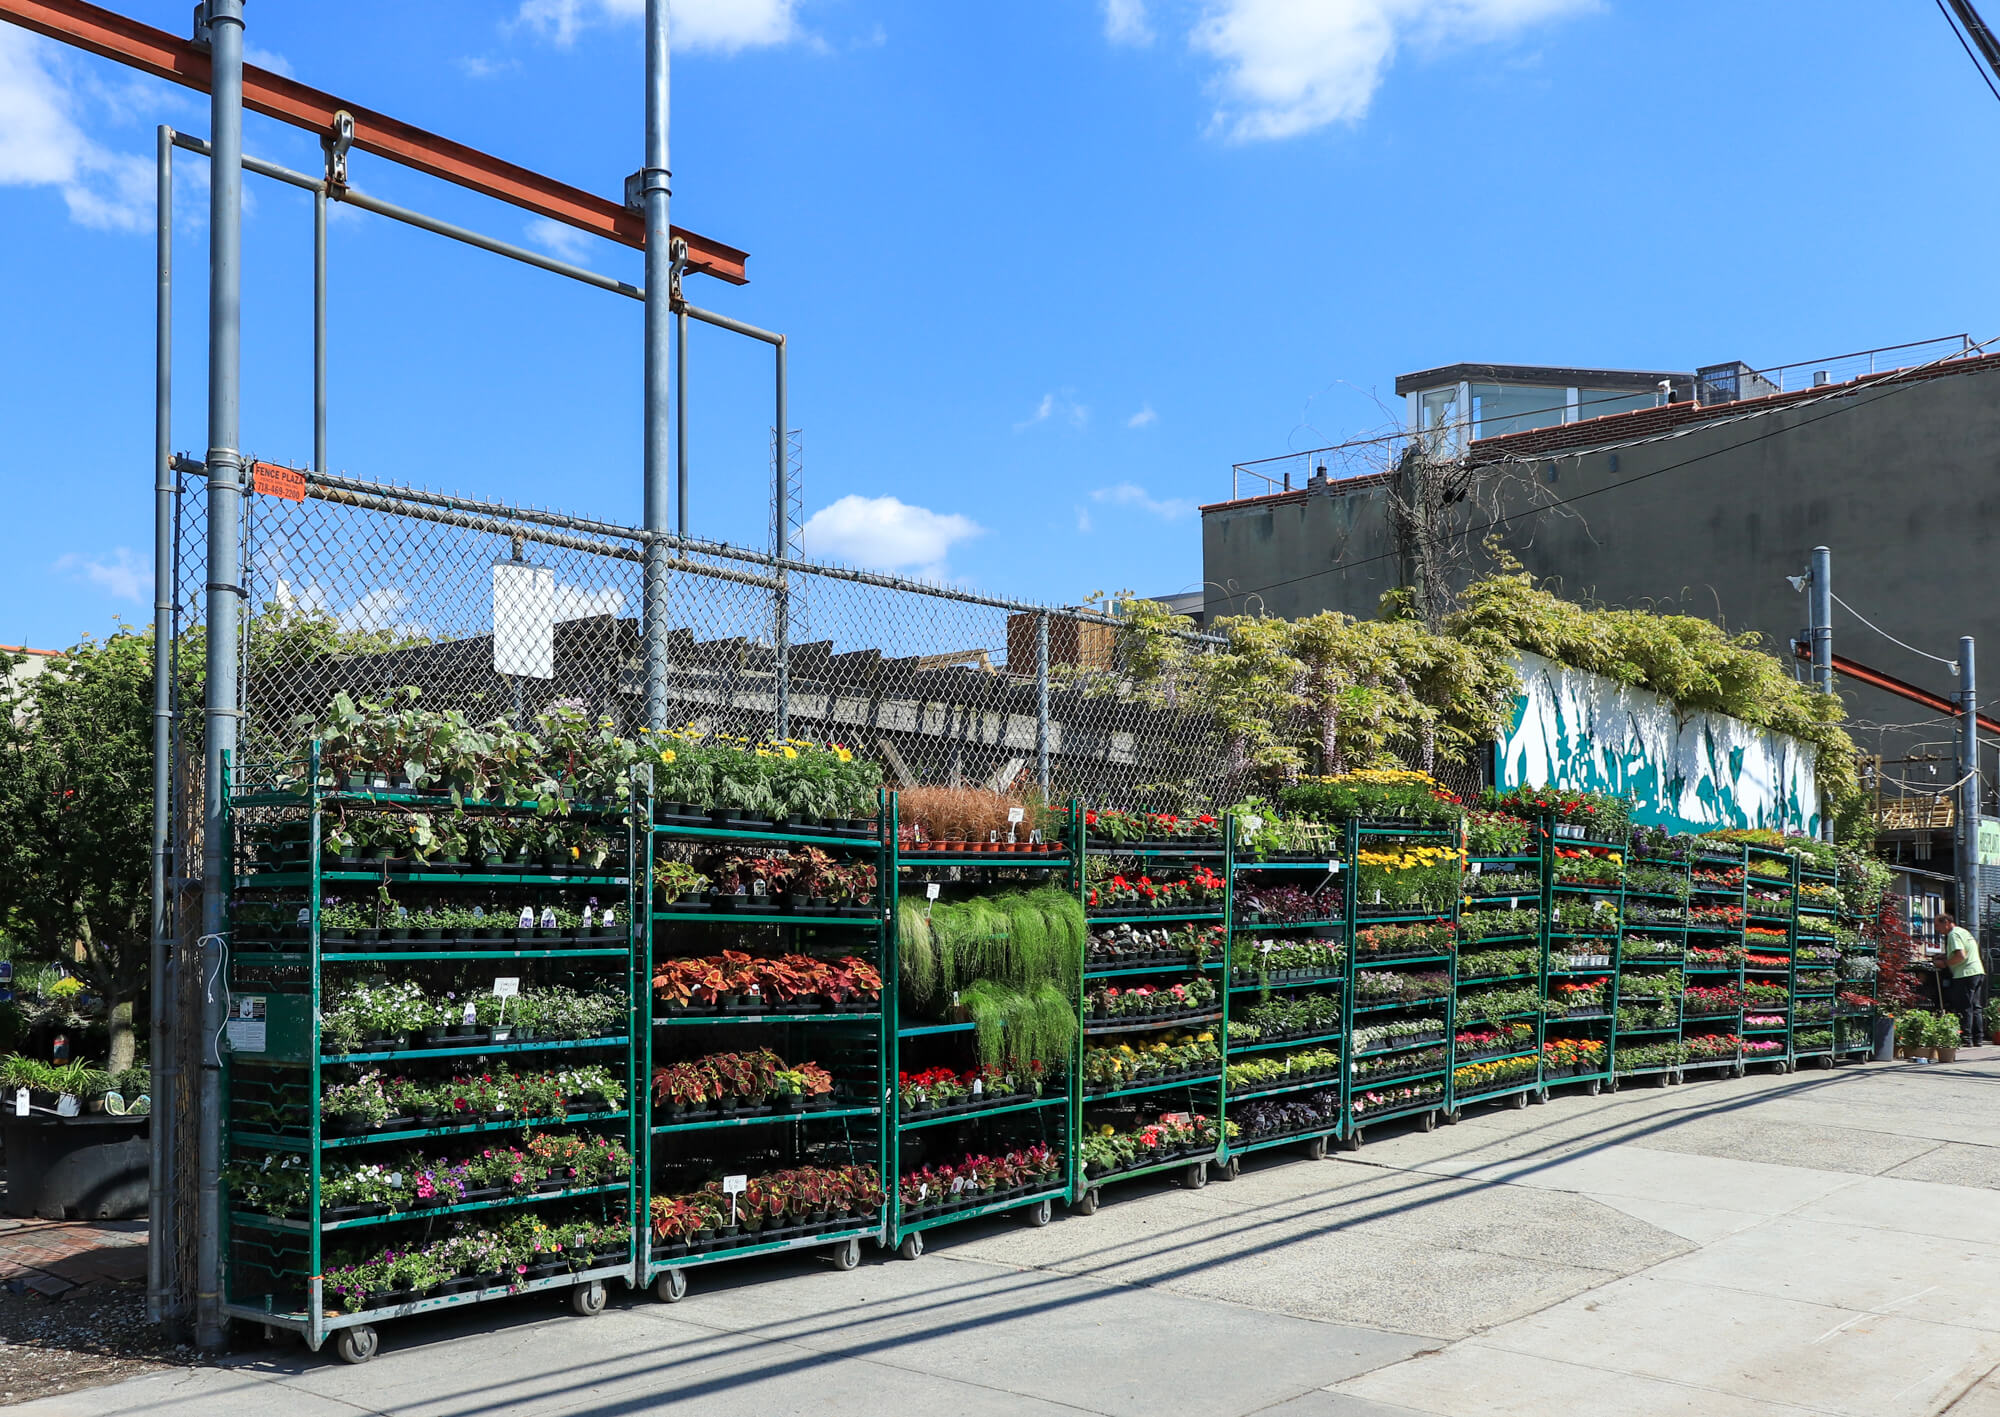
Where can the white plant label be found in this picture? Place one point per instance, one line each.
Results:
(403, 915)
(732, 1186)
(245, 1024)
(931, 891)
(610, 917)
(587, 921)
(957, 1184)
(1016, 815)
(469, 1018)
(305, 915)
(978, 1088)
(20, 1102)
(1475, 867)
(506, 988)
(67, 1105)
(548, 917)
(527, 917)
(478, 912)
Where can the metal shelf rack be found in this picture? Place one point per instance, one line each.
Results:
(1581, 921)
(1519, 1091)
(851, 1040)
(1361, 835)
(1714, 859)
(274, 1066)
(1652, 1024)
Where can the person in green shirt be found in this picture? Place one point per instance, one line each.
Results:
(1966, 993)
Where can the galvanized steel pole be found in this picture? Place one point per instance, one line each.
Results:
(653, 191)
(781, 604)
(1820, 600)
(681, 423)
(319, 329)
(1968, 789)
(159, 1207)
(225, 591)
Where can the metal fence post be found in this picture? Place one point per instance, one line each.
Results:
(1042, 702)
(161, 1219)
(225, 590)
(781, 596)
(654, 180)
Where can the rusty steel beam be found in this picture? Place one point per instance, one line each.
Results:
(153, 51)
(1902, 689)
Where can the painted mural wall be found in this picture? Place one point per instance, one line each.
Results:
(1686, 771)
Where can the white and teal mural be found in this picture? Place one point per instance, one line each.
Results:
(1687, 771)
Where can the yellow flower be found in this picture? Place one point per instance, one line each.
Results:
(843, 755)
(790, 751)
(666, 755)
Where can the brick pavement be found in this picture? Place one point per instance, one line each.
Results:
(55, 1258)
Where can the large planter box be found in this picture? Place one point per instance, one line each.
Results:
(76, 1168)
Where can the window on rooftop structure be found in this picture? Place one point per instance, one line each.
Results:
(1441, 415)
(1595, 403)
(1500, 409)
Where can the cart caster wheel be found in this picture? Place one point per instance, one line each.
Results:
(1611, 1086)
(1594, 1088)
(1315, 1148)
(846, 1255)
(357, 1344)
(1826, 1064)
(1451, 1117)
(1352, 1141)
(1661, 1080)
(912, 1246)
(1538, 1095)
(1519, 1102)
(1230, 1169)
(671, 1287)
(1087, 1203)
(1737, 1071)
(587, 1300)
(1038, 1215)
(1430, 1121)
(1196, 1177)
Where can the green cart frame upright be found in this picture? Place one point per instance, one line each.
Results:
(1362, 836)
(1086, 1192)
(1782, 917)
(272, 1265)
(1712, 936)
(1853, 1028)
(1239, 993)
(1651, 1024)
(862, 1034)
(906, 1234)
(1528, 1087)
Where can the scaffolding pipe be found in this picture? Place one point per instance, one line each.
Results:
(654, 190)
(308, 183)
(681, 422)
(319, 329)
(1821, 604)
(781, 600)
(160, 1217)
(225, 591)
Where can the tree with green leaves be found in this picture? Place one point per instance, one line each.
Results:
(76, 785)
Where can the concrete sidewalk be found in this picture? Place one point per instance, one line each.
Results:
(1823, 1242)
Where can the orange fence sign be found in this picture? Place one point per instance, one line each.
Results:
(275, 481)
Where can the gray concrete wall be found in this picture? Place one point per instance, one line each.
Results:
(1901, 481)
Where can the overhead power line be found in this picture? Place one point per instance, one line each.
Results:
(1973, 36)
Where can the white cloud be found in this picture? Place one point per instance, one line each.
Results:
(1130, 494)
(559, 239)
(1083, 522)
(42, 143)
(724, 25)
(1291, 66)
(886, 534)
(1145, 417)
(1056, 408)
(479, 66)
(121, 575)
(268, 59)
(1125, 22)
(382, 609)
(573, 602)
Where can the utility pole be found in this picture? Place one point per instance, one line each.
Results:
(1821, 603)
(1968, 789)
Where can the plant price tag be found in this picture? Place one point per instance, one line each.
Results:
(1016, 815)
(587, 921)
(468, 1018)
(20, 1102)
(548, 917)
(931, 891)
(506, 988)
(527, 921)
(733, 1186)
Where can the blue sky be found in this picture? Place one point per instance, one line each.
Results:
(1048, 268)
